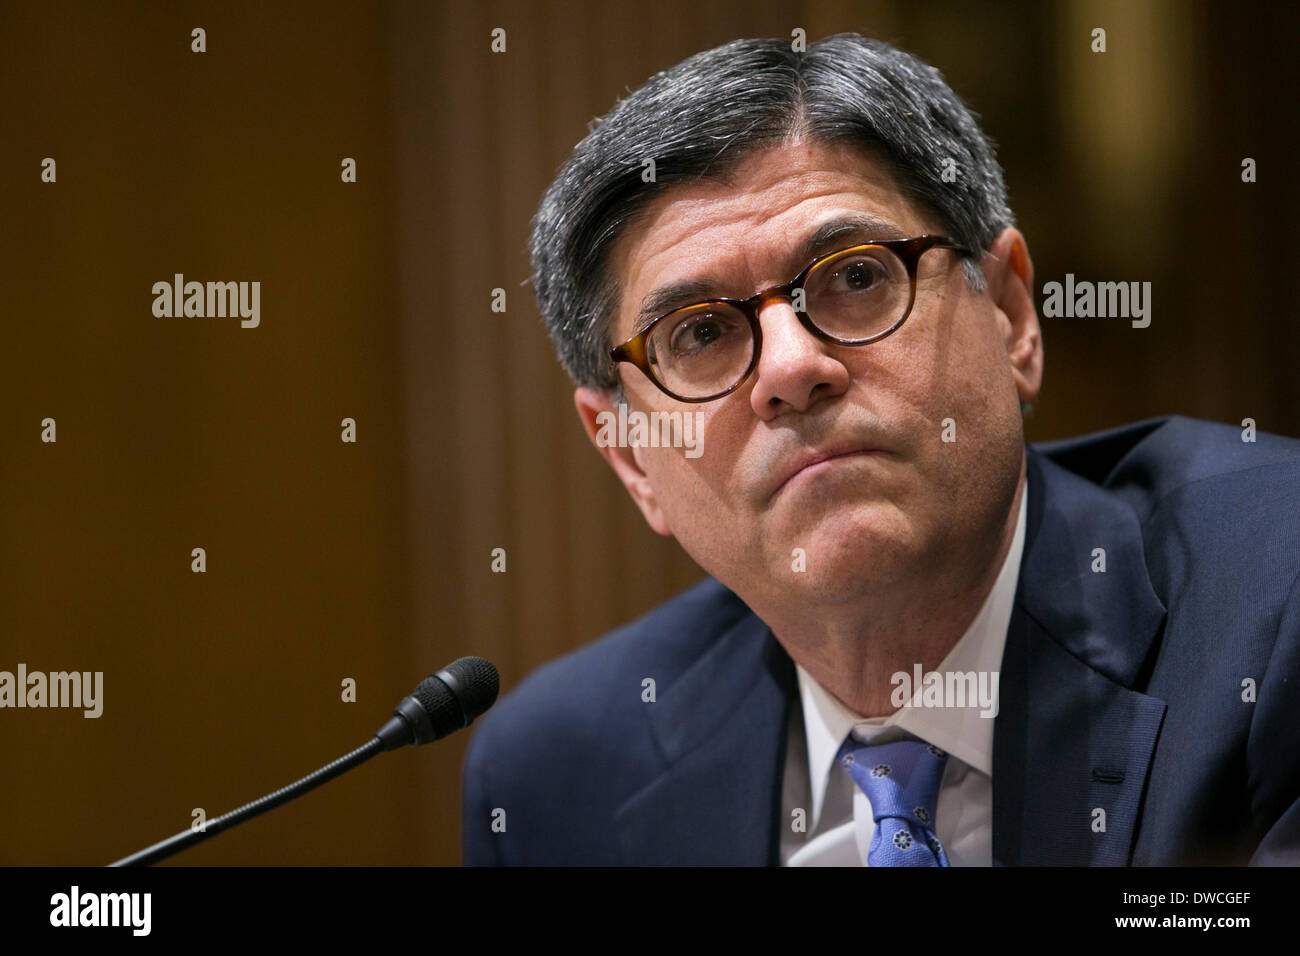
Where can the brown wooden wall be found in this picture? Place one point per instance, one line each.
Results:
(371, 561)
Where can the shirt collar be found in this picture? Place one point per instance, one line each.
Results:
(961, 731)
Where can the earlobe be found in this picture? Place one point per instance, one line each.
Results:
(599, 416)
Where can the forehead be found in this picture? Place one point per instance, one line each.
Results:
(735, 235)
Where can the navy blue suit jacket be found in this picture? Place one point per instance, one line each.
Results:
(1121, 690)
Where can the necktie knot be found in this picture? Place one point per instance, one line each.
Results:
(901, 781)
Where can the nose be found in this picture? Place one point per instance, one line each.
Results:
(795, 369)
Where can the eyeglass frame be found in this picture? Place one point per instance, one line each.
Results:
(908, 251)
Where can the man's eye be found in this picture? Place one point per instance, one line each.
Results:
(862, 274)
(699, 332)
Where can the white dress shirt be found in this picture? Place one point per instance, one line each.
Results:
(837, 816)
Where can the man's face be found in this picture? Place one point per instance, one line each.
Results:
(899, 499)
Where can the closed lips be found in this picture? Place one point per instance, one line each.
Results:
(812, 458)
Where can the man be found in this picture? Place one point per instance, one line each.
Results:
(922, 642)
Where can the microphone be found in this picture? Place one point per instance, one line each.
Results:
(444, 702)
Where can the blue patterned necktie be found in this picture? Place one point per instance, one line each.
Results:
(901, 780)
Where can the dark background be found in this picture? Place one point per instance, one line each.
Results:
(372, 560)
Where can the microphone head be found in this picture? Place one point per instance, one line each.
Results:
(474, 681)
(457, 694)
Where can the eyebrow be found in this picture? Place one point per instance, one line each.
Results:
(825, 238)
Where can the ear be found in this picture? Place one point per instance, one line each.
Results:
(599, 415)
(1010, 275)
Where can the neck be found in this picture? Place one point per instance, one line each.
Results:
(854, 649)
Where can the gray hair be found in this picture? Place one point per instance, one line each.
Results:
(698, 119)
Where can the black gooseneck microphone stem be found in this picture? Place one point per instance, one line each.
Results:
(444, 702)
(188, 838)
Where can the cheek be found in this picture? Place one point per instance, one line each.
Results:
(961, 365)
(697, 495)
(685, 488)
(705, 521)
(699, 471)
(986, 389)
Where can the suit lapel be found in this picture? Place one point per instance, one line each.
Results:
(1072, 744)
(722, 730)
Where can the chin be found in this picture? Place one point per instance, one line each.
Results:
(865, 544)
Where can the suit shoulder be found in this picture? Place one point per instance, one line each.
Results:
(1150, 461)
(589, 692)
(1186, 450)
